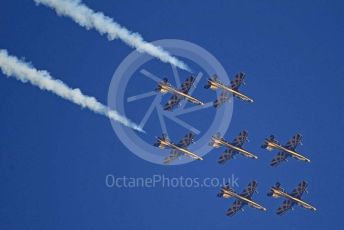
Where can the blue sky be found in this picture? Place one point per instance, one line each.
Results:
(54, 156)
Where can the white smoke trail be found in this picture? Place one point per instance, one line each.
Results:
(13, 67)
(89, 19)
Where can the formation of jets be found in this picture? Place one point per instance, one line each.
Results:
(180, 149)
(245, 198)
(213, 83)
(233, 148)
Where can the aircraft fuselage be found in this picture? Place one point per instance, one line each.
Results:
(185, 151)
(278, 193)
(227, 144)
(272, 145)
(228, 194)
(164, 88)
(215, 85)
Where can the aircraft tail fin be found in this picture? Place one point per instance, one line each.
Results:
(270, 139)
(220, 194)
(215, 140)
(223, 193)
(211, 83)
(160, 87)
(208, 85)
(162, 142)
(274, 190)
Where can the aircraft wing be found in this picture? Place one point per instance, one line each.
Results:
(249, 190)
(237, 81)
(287, 204)
(185, 87)
(236, 206)
(281, 156)
(224, 96)
(174, 154)
(173, 102)
(294, 142)
(227, 155)
(175, 99)
(299, 190)
(187, 140)
(240, 139)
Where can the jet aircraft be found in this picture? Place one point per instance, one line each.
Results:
(177, 150)
(177, 94)
(232, 148)
(292, 198)
(285, 151)
(242, 199)
(233, 89)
